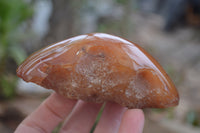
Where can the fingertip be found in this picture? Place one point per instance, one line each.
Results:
(132, 122)
(136, 114)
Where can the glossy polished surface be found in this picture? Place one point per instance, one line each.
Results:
(100, 67)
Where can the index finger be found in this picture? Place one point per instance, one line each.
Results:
(47, 116)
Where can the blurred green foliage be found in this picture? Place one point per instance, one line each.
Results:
(122, 1)
(13, 14)
(168, 112)
(192, 118)
(58, 127)
(121, 26)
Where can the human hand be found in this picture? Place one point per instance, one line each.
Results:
(80, 116)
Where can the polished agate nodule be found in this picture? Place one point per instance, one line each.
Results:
(98, 68)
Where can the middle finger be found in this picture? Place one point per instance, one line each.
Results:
(110, 119)
(82, 118)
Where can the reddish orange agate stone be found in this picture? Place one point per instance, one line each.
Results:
(101, 67)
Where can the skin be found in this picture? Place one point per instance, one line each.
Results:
(79, 117)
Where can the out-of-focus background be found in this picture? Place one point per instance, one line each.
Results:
(167, 29)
